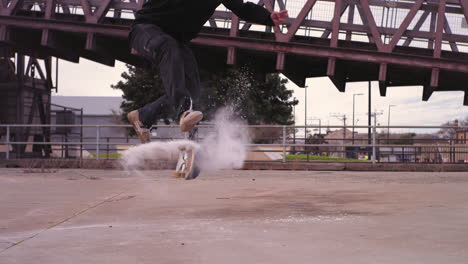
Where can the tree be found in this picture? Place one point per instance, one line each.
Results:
(139, 87)
(450, 132)
(257, 101)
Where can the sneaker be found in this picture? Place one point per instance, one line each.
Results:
(142, 133)
(189, 119)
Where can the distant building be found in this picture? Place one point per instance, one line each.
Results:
(461, 136)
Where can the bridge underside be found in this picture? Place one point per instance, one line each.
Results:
(305, 58)
(345, 40)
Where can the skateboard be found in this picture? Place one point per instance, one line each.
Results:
(187, 164)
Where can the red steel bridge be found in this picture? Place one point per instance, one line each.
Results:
(398, 43)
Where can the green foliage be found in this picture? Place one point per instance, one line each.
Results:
(139, 87)
(257, 102)
(314, 140)
(302, 157)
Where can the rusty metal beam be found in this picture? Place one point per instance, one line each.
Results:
(215, 40)
(324, 51)
(233, 32)
(371, 24)
(39, 68)
(102, 10)
(3, 33)
(453, 44)
(14, 6)
(402, 5)
(418, 25)
(336, 24)
(231, 56)
(404, 25)
(50, 4)
(432, 26)
(434, 83)
(350, 21)
(280, 57)
(212, 23)
(121, 31)
(335, 72)
(383, 79)
(427, 92)
(327, 32)
(297, 22)
(65, 25)
(65, 8)
(365, 22)
(439, 29)
(464, 5)
(86, 10)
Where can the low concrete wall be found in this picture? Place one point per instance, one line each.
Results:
(249, 165)
(354, 166)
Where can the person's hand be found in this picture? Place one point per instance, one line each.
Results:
(279, 17)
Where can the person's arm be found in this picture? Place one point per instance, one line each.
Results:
(253, 13)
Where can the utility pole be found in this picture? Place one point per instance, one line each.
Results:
(374, 135)
(294, 137)
(342, 118)
(354, 96)
(369, 116)
(388, 124)
(305, 114)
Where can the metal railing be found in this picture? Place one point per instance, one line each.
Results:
(283, 140)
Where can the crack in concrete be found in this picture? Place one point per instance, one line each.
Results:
(64, 220)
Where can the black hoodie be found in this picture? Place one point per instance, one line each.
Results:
(183, 19)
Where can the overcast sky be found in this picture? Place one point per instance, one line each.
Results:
(323, 100)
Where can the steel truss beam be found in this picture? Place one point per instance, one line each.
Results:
(95, 26)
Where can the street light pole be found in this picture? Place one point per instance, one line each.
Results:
(388, 124)
(294, 133)
(305, 114)
(354, 96)
(320, 124)
(369, 115)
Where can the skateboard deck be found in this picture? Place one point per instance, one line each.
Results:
(187, 164)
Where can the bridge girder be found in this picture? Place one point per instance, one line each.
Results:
(338, 51)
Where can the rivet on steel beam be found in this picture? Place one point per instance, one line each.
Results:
(89, 41)
(231, 56)
(280, 61)
(45, 37)
(435, 77)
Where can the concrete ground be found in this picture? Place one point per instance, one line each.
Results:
(109, 216)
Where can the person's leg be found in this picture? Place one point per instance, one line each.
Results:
(188, 117)
(192, 77)
(166, 53)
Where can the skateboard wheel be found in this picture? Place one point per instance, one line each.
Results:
(182, 148)
(178, 175)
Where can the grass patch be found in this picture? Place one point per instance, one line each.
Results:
(107, 156)
(303, 157)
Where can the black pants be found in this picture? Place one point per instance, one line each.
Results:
(177, 68)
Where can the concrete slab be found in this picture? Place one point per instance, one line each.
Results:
(100, 216)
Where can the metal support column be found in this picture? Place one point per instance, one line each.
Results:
(98, 131)
(284, 143)
(7, 142)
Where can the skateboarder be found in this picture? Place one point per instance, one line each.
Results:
(161, 32)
